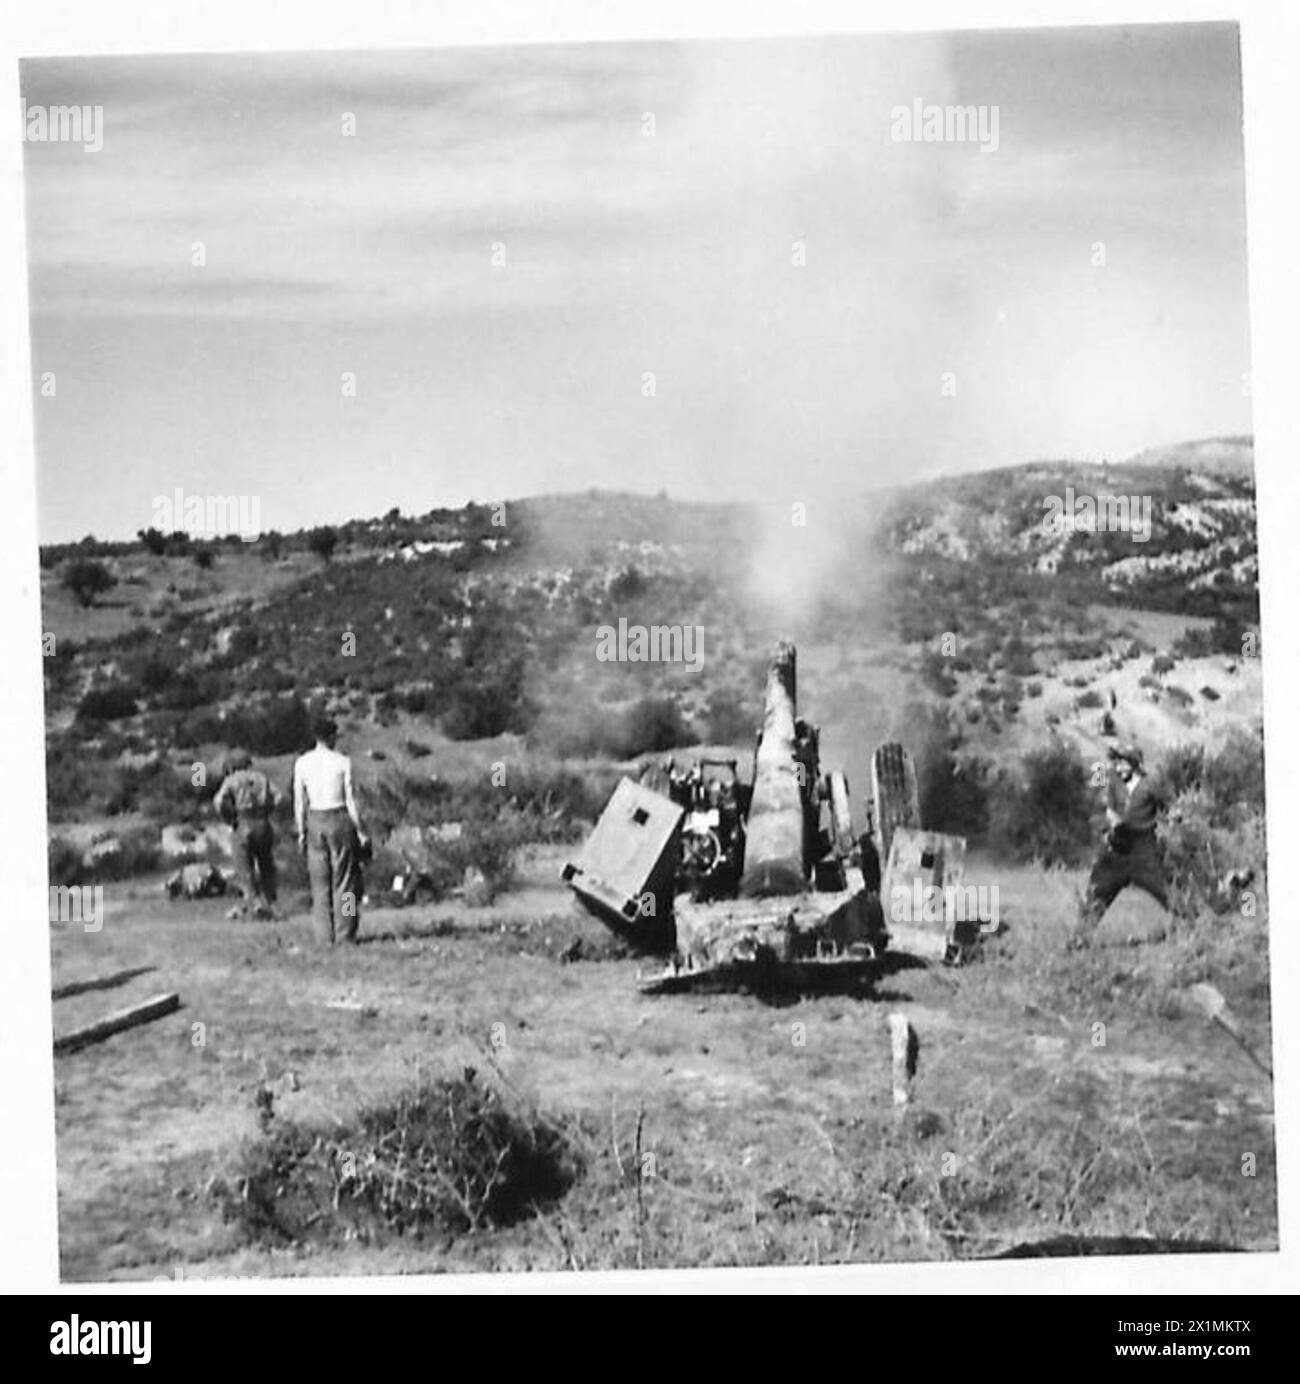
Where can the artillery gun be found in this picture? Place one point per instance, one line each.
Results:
(767, 876)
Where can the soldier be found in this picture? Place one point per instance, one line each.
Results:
(1131, 854)
(330, 832)
(868, 855)
(246, 800)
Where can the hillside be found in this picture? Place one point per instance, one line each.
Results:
(946, 614)
(459, 651)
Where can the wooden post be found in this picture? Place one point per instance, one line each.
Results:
(1215, 1008)
(144, 1013)
(774, 832)
(901, 1044)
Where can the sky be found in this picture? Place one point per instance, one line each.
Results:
(505, 248)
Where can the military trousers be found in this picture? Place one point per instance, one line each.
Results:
(334, 868)
(1142, 864)
(255, 859)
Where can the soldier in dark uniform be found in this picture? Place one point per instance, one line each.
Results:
(246, 800)
(1131, 854)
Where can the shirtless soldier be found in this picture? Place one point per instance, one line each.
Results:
(330, 832)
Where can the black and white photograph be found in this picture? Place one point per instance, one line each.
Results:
(652, 654)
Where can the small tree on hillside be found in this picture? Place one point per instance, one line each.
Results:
(1044, 812)
(322, 542)
(86, 579)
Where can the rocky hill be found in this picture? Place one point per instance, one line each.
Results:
(950, 614)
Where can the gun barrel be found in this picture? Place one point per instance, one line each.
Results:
(774, 844)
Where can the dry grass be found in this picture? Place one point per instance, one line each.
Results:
(718, 1130)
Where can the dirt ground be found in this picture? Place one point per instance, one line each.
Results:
(1067, 1099)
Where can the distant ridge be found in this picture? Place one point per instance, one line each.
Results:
(1234, 456)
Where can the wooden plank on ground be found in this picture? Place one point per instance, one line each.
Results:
(79, 987)
(151, 1009)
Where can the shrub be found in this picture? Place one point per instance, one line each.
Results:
(86, 579)
(936, 673)
(492, 707)
(268, 679)
(108, 702)
(245, 641)
(953, 794)
(162, 793)
(419, 700)
(63, 860)
(202, 728)
(486, 693)
(1234, 775)
(450, 1156)
(278, 726)
(1231, 779)
(1019, 658)
(323, 541)
(188, 692)
(65, 776)
(1223, 637)
(1089, 700)
(154, 673)
(1216, 819)
(551, 790)
(1083, 647)
(140, 854)
(1045, 811)
(626, 585)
